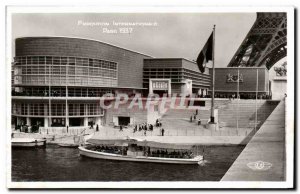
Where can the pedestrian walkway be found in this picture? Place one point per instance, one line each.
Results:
(263, 159)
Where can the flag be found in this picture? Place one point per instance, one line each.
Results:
(206, 54)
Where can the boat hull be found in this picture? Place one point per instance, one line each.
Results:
(39, 143)
(108, 156)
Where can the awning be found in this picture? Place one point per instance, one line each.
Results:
(140, 142)
(112, 142)
(160, 145)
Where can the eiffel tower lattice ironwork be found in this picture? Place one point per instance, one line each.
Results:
(265, 44)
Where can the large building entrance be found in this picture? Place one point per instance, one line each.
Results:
(124, 121)
(160, 86)
(160, 92)
(37, 121)
(58, 122)
(76, 122)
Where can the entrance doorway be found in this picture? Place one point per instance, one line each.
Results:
(75, 122)
(37, 121)
(58, 122)
(160, 92)
(124, 121)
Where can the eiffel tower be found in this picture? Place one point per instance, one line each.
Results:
(265, 44)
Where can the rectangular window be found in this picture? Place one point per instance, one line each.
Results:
(56, 60)
(91, 63)
(29, 60)
(35, 60)
(64, 60)
(81, 109)
(85, 62)
(49, 60)
(71, 61)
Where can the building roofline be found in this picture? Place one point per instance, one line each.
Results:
(172, 58)
(239, 68)
(89, 39)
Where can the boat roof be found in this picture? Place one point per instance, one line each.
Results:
(140, 142)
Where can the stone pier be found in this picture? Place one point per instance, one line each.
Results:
(263, 159)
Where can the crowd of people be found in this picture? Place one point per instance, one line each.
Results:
(157, 153)
(106, 149)
(243, 96)
(234, 96)
(173, 154)
(148, 127)
(28, 129)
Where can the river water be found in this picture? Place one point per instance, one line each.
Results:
(65, 164)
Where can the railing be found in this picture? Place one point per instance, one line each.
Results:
(113, 132)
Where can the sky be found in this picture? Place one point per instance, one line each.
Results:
(179, 35)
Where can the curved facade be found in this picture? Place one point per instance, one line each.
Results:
(57, 80)
(101, 58)
(65, 70)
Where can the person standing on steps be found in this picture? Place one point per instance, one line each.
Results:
(162, 132)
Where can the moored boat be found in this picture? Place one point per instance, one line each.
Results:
(140, 151)
(28, 142)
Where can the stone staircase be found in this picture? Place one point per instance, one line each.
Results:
(233, 113)
(242, 113)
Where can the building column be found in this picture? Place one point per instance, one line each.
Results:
(169, 88)
(86, 121)
(28, 121)
(67, 122)
(86, 113)
(150, 87)
(19, 121)
(46, 124)
(67, 115)
(46, 119)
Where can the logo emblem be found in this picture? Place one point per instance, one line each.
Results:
(259, 165)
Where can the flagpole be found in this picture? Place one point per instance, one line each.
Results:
(256, 99)
(238, 98)
(212, 115)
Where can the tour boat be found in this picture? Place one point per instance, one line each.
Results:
(140, 151)
(28, 142)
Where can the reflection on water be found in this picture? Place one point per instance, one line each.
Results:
(64, 164)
